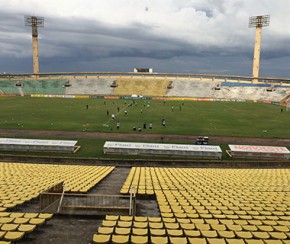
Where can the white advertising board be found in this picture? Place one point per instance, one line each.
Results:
(34, 142)
(162, 149)
(259, 151)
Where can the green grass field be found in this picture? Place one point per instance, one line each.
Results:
(191, 118)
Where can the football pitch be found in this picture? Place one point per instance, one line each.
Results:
(244, 119)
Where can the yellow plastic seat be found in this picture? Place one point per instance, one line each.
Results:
(171, 225)
(192, 233)
(120, 239)
(139, 239)
(159, 239)
(16, 215)
(13, 235)
(122, 231)
(174, 232)
(169, 220)
(260, 235)
(187, 226)
(100, 238)
(6, 220)
(202, 226)
(234, 227)
(9, 227)
(216, 241)
(178, 240)
(209, 233)
(139, 232)
(281, 228)
(20, 220)
(226, 234)
(140, 219)
(154, 219)
(265, 228)
(183, 221)
(156, 225)
(26, 228)
(157, 232)
(250, 227)
(109, 223)
(244, 234)
(197, 221)
(218, 227)
(36, 221)
(105, 230)
(137, 224)
(240, 222)
(194, 240)
(126, 218)
(277, 235)
(112, 217)
(31, 215)
(124, 224)
(46, 216)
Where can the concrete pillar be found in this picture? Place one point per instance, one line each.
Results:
(257, 51)
(35, 55)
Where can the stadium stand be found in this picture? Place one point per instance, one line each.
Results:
(191, 88)
(8, 87)
(251, 93)
(20, 183)
(208, 206)
(227, 90)
(44, 87)
(149, 87)
(145, 87)
(15, 226)
(90, 86)
(26, 181)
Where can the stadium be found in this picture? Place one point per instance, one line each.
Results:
(143, 156)
(100, 193)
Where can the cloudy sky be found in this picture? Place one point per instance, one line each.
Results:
(184, 36)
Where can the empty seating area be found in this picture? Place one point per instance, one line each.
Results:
(192, 88)
(20, 183)
(139, 86)
(15, 225)
(43, 87)
(251, 93)
(8, 88)
(147, 86)
(196, 205)
(206, 206)
(90, 86)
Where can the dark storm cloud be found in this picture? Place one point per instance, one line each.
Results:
(193, 36)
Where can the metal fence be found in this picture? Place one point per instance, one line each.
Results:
(87, 203)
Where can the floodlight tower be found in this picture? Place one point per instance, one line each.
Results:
(258, 22)
(34, 22)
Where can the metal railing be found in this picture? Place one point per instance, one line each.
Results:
(87, 203)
